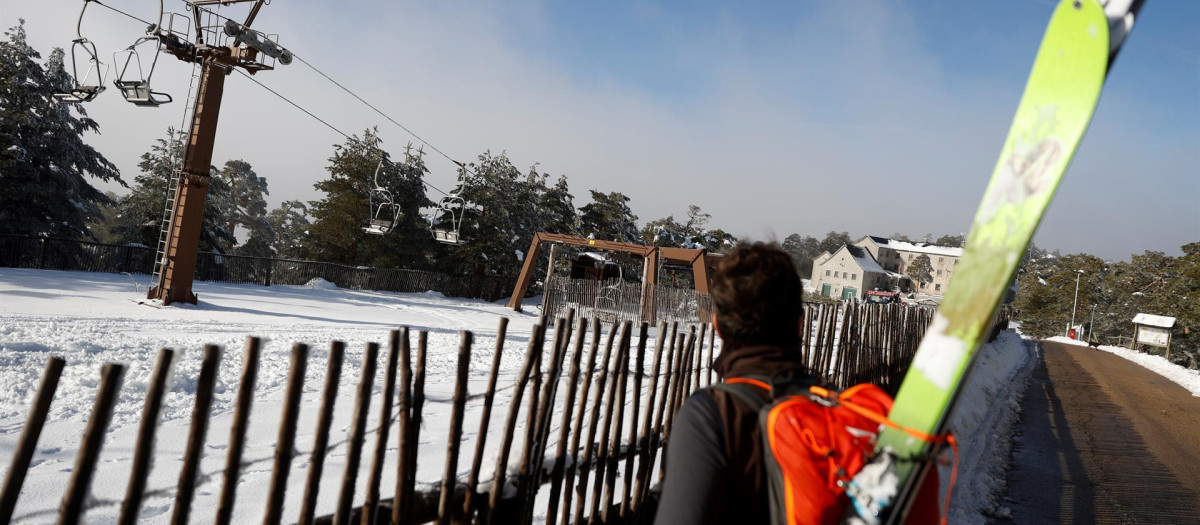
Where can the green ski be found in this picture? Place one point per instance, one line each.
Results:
(1059, 99)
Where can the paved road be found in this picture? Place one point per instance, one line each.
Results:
(1103, 440)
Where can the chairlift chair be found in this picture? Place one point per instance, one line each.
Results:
(446, 231)
(84, 90)
(136, 88)
(385, 213)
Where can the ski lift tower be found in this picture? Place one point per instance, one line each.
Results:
(222, 44)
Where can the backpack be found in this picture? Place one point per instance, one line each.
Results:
(814, 442)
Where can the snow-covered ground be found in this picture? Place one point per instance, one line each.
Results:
(91, 318)
(983, 421)
(1186, 378)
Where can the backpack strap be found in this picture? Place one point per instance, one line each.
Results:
(745, 389)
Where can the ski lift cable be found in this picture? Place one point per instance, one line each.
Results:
(368, 104)
(307, 112)
(319, 119)
(97, 2)
(381, 113)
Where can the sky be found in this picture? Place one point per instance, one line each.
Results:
(870, 117)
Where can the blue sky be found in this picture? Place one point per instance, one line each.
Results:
(776, 117)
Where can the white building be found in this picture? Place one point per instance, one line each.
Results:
(880, 263)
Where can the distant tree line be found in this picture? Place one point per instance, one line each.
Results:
(1152, 282)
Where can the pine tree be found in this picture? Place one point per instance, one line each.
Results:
(505, 214)
(336, 233)
(140, 213)
(834, 241)
(44, 163)
(558, 207)
(803, 250)
(608, 217)
(955, 241)
(289, 222)
(666, 232)
(247, 207)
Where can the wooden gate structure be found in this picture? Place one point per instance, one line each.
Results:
(700, 261)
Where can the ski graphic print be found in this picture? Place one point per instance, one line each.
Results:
(1055, 110)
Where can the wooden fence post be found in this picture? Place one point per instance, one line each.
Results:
(370, 506)
(609, 457)
(333, 373)
(645, 443)
(510, 424)
(27, 443)
(414, 428)
(196, 433)
(285, 443)
(144, 448)
(584, 464)
(71, 509)
(560, 453)
(237, 432)
(454, 440)
(484, 420)
(401, 500)
(568, 484)
(358, 429)
(635, 405)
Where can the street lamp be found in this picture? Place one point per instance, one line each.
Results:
(1078, 273)
(1092, 323)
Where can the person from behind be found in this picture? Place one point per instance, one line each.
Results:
(715, 464)
(719, 468)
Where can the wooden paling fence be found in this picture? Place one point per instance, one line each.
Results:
(614, 421)
(616, 412)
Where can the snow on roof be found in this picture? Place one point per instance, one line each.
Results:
(864, 259)
(592, 255)
(1160, 321)
(918, 247)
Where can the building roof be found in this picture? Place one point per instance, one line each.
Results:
(917, 247)
(1160, 321)
(864, 259)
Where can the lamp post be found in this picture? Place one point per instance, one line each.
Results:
(1092, 323)
(1078, 273)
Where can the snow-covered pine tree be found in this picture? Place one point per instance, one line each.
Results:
(506, 213)
(336, 235)
(608, 217)
(247, 208)
(44, 162)
(289, 223)
(140, 213)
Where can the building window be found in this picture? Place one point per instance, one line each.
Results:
(939, 260)
(939, 272)
(854, 276)
(937, 287)
(826, 273)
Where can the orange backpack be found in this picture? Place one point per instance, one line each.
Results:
(815, 441)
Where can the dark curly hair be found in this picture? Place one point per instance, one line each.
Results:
(758, 297)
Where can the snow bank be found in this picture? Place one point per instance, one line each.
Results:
(1186, 378)
(320, 284)
(983, 421)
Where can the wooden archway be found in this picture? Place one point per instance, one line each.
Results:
(698, 259)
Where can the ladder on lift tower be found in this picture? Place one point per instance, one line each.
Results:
(160, 253)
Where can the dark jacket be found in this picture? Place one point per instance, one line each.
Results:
(714, 458)
(715, 470)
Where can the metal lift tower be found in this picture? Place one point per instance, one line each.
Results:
(220, 47)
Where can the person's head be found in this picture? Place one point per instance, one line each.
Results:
(758, 297)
